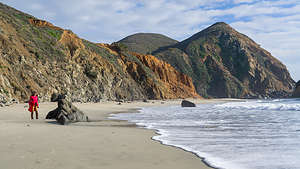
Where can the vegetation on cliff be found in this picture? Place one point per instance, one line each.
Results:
(36, 55)
(225, 63)
(216, 62)
(146, 43)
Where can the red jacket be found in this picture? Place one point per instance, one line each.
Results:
(33, 101)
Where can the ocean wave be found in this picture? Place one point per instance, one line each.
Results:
(259, 105)
(235, 135)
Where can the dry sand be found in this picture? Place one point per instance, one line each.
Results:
(107, 144)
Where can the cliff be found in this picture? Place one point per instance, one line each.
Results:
(36, 55)
(296, 92)
(168, 82)
(42, 23)
(225, 63)
(180, 84)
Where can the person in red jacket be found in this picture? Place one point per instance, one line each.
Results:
(34, 105)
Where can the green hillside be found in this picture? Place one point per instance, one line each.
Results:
(226, 63)
(146, 43)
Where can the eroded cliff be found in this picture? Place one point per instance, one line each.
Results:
(37, 56)
(226, 63)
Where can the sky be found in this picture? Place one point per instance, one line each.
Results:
(274, 24)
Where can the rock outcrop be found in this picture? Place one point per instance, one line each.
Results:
(296, 93)
(6, 102)
(66, 112)
(42, 23)
(186, 103)
(36, 55)
(225, 63)
(72, 42)
(168, 83)
(180, 84)
(216, 62)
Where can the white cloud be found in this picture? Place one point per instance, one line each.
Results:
(243, 1)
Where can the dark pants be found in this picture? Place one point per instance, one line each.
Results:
(36, 115)
(35, 109)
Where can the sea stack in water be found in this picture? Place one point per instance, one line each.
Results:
(66, 112)
(186, 103)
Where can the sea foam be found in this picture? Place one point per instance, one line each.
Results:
(263, 105)
(257, 134)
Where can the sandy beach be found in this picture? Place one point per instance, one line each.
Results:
(104, 143)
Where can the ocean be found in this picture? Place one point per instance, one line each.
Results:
(251, 134)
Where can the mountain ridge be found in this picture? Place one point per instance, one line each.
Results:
(38, 56)
(219, 53)
(146, 43)
(215, 62)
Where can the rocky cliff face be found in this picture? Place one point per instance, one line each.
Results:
(42, 23)
(216, 62)
(179, 83)
(226, 63)
(36, 55)
(296, 93)
(169, 83)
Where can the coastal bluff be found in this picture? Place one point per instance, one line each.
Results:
(217, 62)
(36, 55)
(222, 62)
(296, 93)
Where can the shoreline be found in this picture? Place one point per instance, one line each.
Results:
(156, 132)
(137, 110)
(103, 143)
(201, 158)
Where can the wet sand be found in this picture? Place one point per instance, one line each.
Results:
(103, 143)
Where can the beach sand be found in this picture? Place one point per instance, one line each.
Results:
(104, 143)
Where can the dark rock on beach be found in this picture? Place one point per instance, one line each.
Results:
(66, 112)
(217, 62)
(186, 103)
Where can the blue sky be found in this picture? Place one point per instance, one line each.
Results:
(274, 24)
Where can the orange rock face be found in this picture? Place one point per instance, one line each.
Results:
(71, 41)
(42, 23)
(168, 83)
(48, 59)
(108, 47)
(178, 85)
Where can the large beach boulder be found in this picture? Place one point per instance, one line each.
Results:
(66, 112)
(186, 103)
